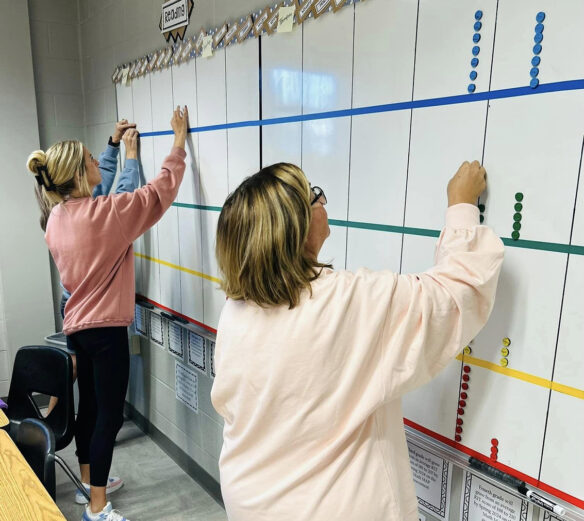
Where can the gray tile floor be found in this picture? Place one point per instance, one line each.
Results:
(156, 488)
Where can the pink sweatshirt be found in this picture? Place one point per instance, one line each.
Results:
(311, 396)
(91, 243)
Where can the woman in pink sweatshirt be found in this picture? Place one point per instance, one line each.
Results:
(311, 363)
(91, 243)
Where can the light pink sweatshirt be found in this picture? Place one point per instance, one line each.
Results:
(91, 243)
(311, 396)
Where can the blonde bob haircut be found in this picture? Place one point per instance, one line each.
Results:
(56, 171)
(261, 238)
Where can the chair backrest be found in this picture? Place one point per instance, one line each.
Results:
(37, 444)
(47, 370)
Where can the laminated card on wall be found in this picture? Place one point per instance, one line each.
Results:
(187, 386)
(175, 339)
(197, 352)
(432, 478)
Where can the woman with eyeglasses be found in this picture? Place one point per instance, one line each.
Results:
(311, 363)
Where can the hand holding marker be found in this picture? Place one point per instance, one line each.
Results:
(535, 498)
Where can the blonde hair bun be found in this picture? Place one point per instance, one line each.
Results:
(36, 160)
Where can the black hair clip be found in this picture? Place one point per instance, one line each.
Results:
(45, 180)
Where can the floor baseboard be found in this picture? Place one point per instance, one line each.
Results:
(181, 458)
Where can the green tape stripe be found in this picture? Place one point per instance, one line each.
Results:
(530, 245)
(197, 207)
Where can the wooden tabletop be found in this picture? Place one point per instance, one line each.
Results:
(3, 419)
(22, 495)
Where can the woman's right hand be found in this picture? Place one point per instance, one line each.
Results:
(467, 184)
(180, 125)
(130, 139)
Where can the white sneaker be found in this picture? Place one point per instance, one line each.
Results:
(113, 483)
(107, 514)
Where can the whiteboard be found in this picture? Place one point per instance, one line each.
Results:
(373, 102)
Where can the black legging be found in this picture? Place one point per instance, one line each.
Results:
(103, 364)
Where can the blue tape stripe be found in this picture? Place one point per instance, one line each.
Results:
(391, 107)
(424, 232)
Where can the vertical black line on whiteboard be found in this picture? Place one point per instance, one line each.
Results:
(350, 138)
(401, 256)
(490, 79)
(561, 309)
(260, 98)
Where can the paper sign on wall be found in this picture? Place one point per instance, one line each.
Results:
(286, 19)
(140, 320)
(211, 351)
(207, 47)
(187, 386)
(197, 352)
(175, 339)
(432, 478)
(482, 501)
(156, 332)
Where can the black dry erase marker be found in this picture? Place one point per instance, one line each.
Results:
(541, 501)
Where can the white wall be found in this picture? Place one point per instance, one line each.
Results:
(25, 290)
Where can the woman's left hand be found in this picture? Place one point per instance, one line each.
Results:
(121, 127)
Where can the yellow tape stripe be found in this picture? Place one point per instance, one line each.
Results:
(513, 373)
(177, 267)
(520, 375)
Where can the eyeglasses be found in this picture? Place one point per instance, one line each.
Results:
(318, 194)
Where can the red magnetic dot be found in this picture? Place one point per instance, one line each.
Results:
(458, 430)
(458, 421)
(465, 386)
(494, 442)
(465, 377)
(457, 437)
(464, 396)
(460, 411)
(494, 450)
(494, 457)
(466, 369)
(462, 403)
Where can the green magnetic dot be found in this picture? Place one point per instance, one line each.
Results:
(519, 196)
(515, 235)
(517, 226)
(518, 207)
(481, 207)
(482, 218)
(517, 217)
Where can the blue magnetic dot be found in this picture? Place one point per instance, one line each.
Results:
(534, 83)
(539, 28)
(479, 15)
(540, 17)
(538, 38)
(471, 87)
(534, 72)
(474, 62)
(473, 75)
(476, 37)
(536, 49)
(535, 61)
(476, 49)
(477, 26)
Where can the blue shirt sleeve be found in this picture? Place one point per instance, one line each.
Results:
(108, 165)
(129, 179)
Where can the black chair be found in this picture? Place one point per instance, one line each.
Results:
(36, 442)
(47, 370)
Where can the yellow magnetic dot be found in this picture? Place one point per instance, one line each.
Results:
(504, 362)
(467, 350)
(506, 342)
(504, 351)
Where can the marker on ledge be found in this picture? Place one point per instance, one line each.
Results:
(541, 501)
